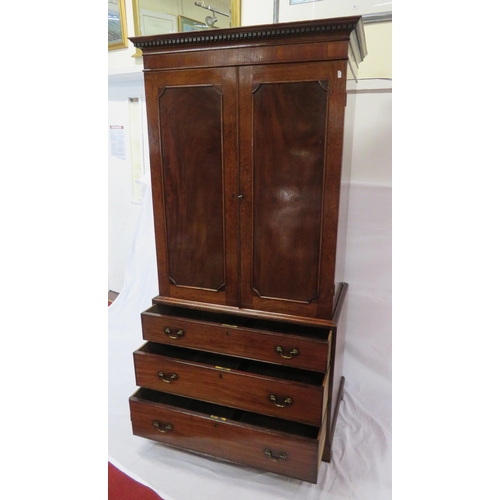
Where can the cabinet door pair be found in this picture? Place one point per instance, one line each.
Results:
(246, 166)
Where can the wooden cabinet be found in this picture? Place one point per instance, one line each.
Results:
(246, 135)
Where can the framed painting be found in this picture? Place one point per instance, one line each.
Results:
(117, 25)
(373, 11)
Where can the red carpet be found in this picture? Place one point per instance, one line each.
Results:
(123, 487)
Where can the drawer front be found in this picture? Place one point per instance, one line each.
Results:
(266, 395)
(263, 449)
(280, 348)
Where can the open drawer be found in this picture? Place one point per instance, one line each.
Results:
(266, 443)
(277, 391)
(270, 341)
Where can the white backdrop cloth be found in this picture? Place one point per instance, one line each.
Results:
(361, 460)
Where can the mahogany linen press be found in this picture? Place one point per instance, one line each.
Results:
(249, 136)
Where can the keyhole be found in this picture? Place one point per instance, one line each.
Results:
(227, 333)
(220, 375)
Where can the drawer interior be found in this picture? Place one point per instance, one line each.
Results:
(223, 412)
(241, 322)
(231, 363)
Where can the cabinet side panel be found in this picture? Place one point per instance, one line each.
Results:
(289, 143)
(345, 179)
(332, 188)
(337, 367)
(191, 134)
(151, 88)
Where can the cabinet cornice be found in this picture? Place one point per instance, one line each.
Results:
(350, 28)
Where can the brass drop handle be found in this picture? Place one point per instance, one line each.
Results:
(281, 456)
(293, 352)
(173, 334)
(286, 401)
(166, 427)
(168, 377)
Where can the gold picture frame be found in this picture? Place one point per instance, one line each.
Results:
(117, 25)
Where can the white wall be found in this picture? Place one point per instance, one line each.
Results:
(255, 12)
(372, 142)
(123, 207)
(368, 270)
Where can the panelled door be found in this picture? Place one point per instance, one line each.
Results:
(192, 118)
(245, 169)
(290, 123)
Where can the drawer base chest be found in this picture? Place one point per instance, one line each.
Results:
(254, 392)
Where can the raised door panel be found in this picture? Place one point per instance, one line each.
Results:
(291, 121)
(193, 163)
(193, 179)
(289, 135)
